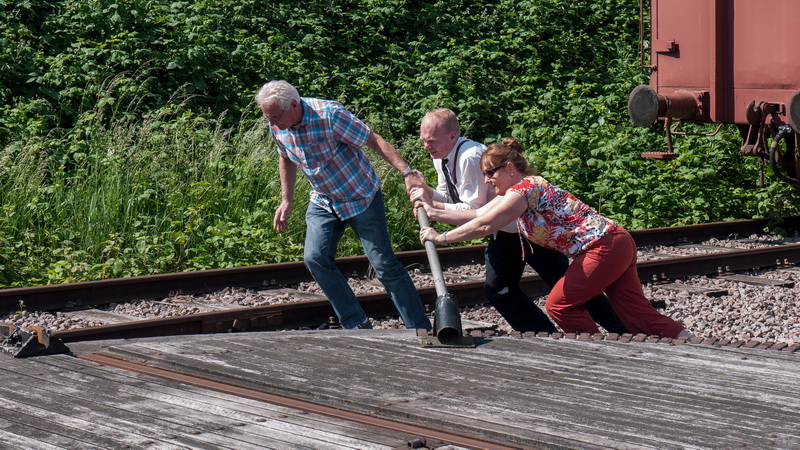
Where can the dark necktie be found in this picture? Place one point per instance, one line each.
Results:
(451, 188)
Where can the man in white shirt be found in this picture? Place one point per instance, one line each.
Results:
(461, 185)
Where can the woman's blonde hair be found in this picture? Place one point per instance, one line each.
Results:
(507, 151)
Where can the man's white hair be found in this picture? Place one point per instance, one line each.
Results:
(277, 92)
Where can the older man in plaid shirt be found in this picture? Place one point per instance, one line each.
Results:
(325, 141)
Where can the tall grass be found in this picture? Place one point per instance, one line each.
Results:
(127, 198)
(113, 197)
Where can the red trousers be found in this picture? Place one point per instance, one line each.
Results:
(609, 266)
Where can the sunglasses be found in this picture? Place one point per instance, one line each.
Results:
(490, 172)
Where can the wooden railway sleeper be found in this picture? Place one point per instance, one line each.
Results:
(254, 323)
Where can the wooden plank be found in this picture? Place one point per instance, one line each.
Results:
(23, 439)
(757, 281)
(762, 242)
(168, 408)
(696, 290)
(56, 423)
(105, 317)
(523, 390)
(273, 424)
(708, 248)
(367, 399)
(28, 426)
(648, 254)
(790, 269)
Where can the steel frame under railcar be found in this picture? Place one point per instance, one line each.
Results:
(724, 62)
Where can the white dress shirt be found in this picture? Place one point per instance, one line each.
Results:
(468, 178)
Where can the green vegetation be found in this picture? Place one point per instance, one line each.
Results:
(129, 143)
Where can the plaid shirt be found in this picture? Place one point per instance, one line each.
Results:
(327, 146)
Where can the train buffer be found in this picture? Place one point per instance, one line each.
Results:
(22, 343)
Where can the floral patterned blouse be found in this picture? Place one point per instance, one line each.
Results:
(557, 220)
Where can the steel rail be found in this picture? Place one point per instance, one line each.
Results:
(316, 313)
(295, 403)
(119, 290)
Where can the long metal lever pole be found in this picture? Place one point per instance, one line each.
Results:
(433, 257)
(446, 317)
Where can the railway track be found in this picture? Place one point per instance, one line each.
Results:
(315, 311)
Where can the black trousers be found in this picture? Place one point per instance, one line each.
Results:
(504, 267)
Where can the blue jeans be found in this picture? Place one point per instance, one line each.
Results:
(323, 233)
(504, 268)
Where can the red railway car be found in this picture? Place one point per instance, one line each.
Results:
(725, 62)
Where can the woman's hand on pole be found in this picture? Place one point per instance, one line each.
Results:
(427, 234)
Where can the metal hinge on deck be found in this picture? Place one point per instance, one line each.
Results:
(21, 343)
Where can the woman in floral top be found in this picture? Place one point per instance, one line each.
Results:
(604, 254)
